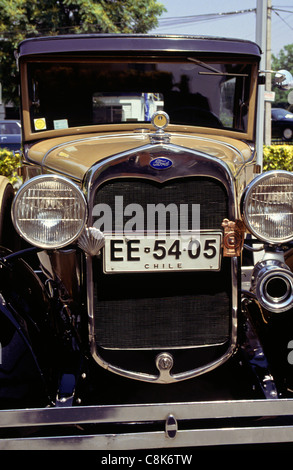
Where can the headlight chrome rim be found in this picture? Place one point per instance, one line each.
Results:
(256, 182)
(77, 197)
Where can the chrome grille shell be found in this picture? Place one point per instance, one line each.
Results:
(135, 165)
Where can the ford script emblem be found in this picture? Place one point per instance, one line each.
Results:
(161, 163)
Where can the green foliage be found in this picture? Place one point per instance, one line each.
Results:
(20, 19)
(284, 60)
(278, 157)
(9, 162)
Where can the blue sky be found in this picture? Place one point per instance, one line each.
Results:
(238, 26)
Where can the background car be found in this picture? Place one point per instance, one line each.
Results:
(282, 123)
(10, 135)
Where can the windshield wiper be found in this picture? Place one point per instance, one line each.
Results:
(213, 71)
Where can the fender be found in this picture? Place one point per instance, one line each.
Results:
(23, 341)
(21, 377)
(7, 231)
(30, 315)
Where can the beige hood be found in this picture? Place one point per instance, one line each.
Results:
(73, 156)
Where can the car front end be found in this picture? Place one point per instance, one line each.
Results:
(156, 290)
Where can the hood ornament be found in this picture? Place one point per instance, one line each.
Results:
(160, 120)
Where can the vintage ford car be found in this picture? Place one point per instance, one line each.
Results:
(146, 283)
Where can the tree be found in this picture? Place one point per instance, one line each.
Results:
(284, 60)
(20, 19)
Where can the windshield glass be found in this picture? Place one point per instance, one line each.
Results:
(73, 94)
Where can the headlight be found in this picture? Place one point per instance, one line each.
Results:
(49, 211)
(268, 207)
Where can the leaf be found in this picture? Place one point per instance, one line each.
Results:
(20, 19)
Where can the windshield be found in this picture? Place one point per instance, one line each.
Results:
(79, 93)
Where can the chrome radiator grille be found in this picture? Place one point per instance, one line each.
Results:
(164, 310)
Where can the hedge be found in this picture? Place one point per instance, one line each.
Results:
(278, 157)
(9, 162)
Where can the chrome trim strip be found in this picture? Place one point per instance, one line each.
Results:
(188, 166)
(155, 440)
(147, 412)
(205, 435)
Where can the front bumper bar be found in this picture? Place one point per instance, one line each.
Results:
(149, 426)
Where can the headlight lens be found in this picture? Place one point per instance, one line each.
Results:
(268, 207)
(49, 211)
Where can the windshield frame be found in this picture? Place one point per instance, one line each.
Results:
(30, 134)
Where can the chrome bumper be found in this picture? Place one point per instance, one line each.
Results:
(182, 425)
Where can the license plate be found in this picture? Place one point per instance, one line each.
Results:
(138, 253)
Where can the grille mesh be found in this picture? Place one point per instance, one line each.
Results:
(208, 193)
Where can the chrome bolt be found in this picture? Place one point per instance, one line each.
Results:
(164, 361)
